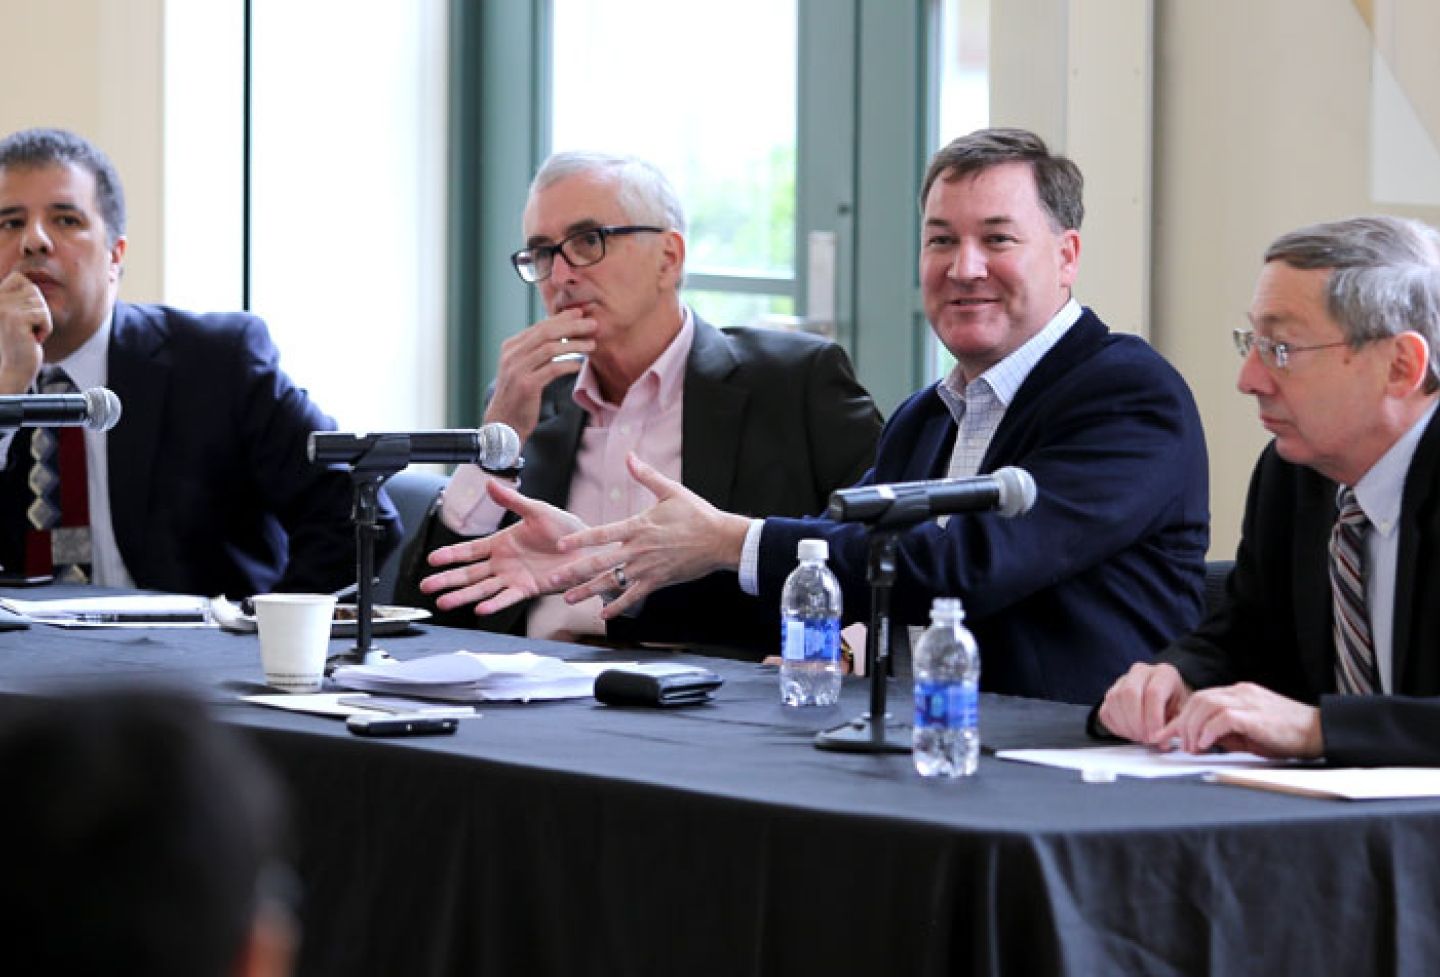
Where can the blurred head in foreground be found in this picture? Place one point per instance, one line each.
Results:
(139, 838)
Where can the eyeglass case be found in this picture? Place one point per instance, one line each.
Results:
(658, 685)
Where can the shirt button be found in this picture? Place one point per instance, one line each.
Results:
(625, 429)
(614, 495)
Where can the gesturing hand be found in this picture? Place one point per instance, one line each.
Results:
(679, 538)
(508, 566)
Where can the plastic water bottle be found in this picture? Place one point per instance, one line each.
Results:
(810, 630)
(947, 695)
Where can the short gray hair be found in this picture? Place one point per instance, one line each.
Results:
(1384, 277)
(644, 193)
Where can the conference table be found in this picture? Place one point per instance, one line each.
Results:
(575, 838)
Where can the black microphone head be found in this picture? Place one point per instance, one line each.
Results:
(499, 446)
(1017, 491)
(102, 408)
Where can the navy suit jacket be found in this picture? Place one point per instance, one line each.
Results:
(1105, 570)
(1274, 626)
(773, 422)
(210, 488)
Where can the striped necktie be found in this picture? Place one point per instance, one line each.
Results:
(1355, 672)
(58, 540)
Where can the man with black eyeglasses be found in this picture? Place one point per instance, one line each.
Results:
(1104, 571)
(1326, 644)
(755, 420)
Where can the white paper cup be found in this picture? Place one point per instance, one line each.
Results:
(294, 637)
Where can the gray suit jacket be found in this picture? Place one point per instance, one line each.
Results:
(773, 423)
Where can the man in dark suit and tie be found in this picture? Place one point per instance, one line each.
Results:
(1108, 566)
(203, 486)
(1326, 643)
(753, 420)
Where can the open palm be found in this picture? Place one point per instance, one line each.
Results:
(508, 566)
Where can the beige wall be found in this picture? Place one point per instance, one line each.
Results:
(94, 66)
(1263, 123)
(1260, 120)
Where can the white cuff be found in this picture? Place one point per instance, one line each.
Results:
(750, 558)
(465, 506)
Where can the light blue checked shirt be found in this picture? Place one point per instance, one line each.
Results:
(979, 406)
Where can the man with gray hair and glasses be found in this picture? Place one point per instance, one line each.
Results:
(1104, 571)
(760, 421)
(1325, 645)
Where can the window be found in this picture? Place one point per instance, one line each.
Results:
(347, 211)
(707, 93)
(960, 97)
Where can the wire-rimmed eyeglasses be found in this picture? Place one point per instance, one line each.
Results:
(1273, 354)
(580, 249)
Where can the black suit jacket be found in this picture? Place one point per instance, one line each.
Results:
(1274, 627)
(210, 488)
(1104, 571)
(773, 422)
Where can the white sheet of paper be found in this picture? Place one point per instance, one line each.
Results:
(116, 611)
(1134, 760)
(331, 704)
(1346, 783)
(465, 676)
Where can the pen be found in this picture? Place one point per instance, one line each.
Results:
(137, 617)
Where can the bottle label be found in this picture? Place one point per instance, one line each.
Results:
(810, 639)
(946, 705)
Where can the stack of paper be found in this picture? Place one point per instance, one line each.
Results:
(466, 676)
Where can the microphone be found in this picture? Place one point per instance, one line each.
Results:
(1008, 492)
(494, 447)
(97, 408)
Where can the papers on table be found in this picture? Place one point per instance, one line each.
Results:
(465, 676)
(1347, 783)
(342, 704)
(116, 611)
(1133, 760)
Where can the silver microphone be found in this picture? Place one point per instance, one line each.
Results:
(97, 409)
(1008, 492)
(494, 447)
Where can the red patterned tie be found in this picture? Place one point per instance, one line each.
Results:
(58, 541)
(1355, 671)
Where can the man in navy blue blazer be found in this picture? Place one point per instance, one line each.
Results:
(1108, 566)
(204, 485)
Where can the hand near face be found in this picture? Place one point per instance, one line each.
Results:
(681, 537)
(527, 365)
(1246, 717)
(508, 566)
(24, 326)
(1143, 701)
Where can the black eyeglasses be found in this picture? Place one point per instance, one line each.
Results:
(1273, 354)
(580, 249)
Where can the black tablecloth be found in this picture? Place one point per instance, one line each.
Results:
(573, 838)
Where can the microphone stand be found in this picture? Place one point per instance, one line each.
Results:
(871, 732)
(875, 731)
(368, 472)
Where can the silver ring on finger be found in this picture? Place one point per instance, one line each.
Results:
(617, 572)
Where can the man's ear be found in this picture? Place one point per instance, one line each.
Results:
(672, 266)
(1409, 363)
(117, 258)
